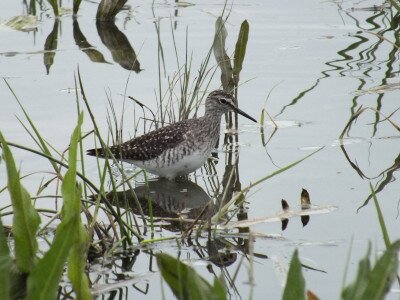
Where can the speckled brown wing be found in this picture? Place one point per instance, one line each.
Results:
(149, 145)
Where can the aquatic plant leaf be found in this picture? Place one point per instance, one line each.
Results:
(381, 219)
(26, 219)
(76, 5)
(221, 57)
(357, 288)
(396, 4)
(375, 283)
(54, 5)
(50, 46)
(32, 7)
(68, 188)
(219, 288)
(95, 56)
(184, 281)
(44, 279)
(78, 256)
(382, 275)
(71, 208)
(108, 9)
(5, 262)
(295, 283)
(23, 23)
(240, 50)
(80, 39)
(119, 46)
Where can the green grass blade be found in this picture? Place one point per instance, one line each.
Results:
(71, 208)
(5, 263)
(383, 274)
(54, 5)
(220, 35)
(78, 255)
(32, 7)
(380, 218)
(295, 283)
(123, 230)
(76, 5)
(240, 195)
(68, 189)
(396, 4)
(50, 46)
(219, 288)
(240, 50)
(221, 57)
(45, 278)
(281, 170)
(43, 144)
(26, 219)
(374, 284)
(185, 282)
(356, 290)
(110, 208)
(108, 9)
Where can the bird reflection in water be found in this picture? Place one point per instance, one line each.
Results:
(173, 202)
(169, 199)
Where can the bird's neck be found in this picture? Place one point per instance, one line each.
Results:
(213, 114)
(212, 125)
(212, 119)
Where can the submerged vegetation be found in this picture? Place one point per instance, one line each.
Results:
(53, 253)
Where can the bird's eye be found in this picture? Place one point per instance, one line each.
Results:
(222, 101)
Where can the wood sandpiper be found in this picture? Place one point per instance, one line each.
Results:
(180, 148)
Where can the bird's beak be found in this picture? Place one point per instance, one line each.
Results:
(239, 111)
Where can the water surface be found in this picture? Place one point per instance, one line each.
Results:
(320, 60)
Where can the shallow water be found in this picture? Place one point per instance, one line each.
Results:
(320, 60)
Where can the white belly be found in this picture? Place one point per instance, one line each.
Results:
(183, 166)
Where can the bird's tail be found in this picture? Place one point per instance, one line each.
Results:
(96, 152)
